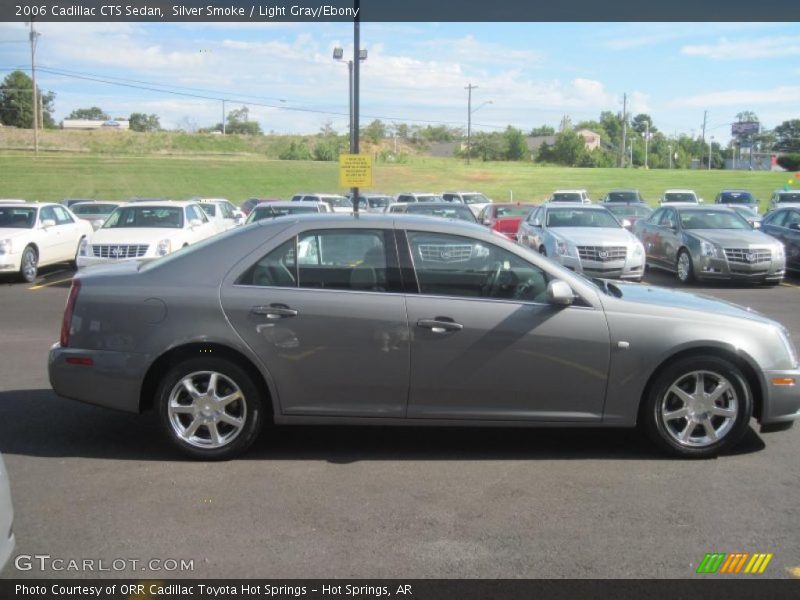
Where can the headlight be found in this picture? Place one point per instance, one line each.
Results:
(5, 246)
(83, 250)
(97, 224)
(788, 345)
(561, 248)
(164, 247)
(780, 252)
(638, 250)
(707, 249)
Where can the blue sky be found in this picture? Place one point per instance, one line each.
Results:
(533, 73)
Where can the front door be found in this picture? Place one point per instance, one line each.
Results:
(324, 312)
(487, 345)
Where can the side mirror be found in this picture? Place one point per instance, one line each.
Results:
(795, 226)
(626, 223)
(195, 223)
(48, 223)
(559, 293)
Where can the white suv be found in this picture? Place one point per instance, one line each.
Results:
(475, 200)
(579, 196)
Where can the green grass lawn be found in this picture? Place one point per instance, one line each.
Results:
(52, 177)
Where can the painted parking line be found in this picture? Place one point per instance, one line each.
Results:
(49, 283)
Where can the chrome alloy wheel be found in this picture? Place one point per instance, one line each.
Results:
(699, 408)
(29, 266)
(684, 267)
(207, 409)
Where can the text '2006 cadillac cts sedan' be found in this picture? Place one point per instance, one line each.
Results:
(397, 319)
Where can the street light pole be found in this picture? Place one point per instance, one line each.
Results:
(469, 89)
(356, 84)
(646, 140)
(669, 147)
(710, 141)
(223, 117)
(33, 36)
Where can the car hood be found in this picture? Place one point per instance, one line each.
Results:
(134, 235)
(594, 236)
(733, 238)
(673, 299)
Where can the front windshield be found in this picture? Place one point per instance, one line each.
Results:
(581, 217)
(270, 212)
(166, 217)
(630, 210)
(475, 199)
(789, 197)
(337, 201)
(623, 197)
(680, 197)
(712, 219)
(95, 208)
(745, 211)
(567, 197)
(17, 218)
(736, 198)
(512, 211)
(462, 213)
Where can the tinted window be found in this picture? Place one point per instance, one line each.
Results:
(668, 219)
(405, 199)
(580, 217)
(511, 211)
(680, 197)
(793, 218)
(17, 218)
(736, 198)
(789, 197)
(209, 209)
(697, 219)
(93, 209)
(452, 211)
(449, 265)
(167, 217)
(342, 259)
(623, 197)
(276, 269)
(567, 197)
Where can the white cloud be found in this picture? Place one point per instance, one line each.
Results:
(785, 94)
(746, 49)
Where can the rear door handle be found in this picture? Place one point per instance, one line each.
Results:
(440, 325)
(274, 311)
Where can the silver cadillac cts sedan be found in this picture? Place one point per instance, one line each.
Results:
(407, 320)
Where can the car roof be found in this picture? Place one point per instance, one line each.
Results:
(208, 200)
(117, 202)
(679, 191)
(442, 205)
(731, 190)
(427, 193)
(688, 206)
(286, 204)
(572, 191)
(463, 192)
(574, 205)
(165, 203)
(385, 220)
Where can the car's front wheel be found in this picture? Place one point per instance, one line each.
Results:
(685, 268)
(698, 407)
(29, 266)
(210, 408)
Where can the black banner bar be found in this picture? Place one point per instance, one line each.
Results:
(735, 588)
(397, 10)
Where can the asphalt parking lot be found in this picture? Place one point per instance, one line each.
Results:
(90, 483)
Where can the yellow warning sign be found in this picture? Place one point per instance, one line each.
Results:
(355, 170)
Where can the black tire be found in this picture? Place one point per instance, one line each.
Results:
(542, 250)
(652, 421)
(74, 262)
(253, 408)
(690, 277)
(25, 273)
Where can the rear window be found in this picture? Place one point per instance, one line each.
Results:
(567, 197)
(789, 197)
(623, 197)
(95, 208)
(209, 209)
(165, 217)
(512, 211)
(680, 197)
(446, 211)
(736, 198)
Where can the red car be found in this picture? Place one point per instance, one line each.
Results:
(505, 217)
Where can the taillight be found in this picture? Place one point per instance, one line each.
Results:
(66, 322)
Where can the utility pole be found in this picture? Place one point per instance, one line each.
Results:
(624, 128)
(703, 138)
(646, 140)
(33, 37)
(356, 77)
(710, 142)
(223, 117)
(469, 89)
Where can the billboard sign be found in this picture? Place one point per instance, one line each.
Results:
(745, 128)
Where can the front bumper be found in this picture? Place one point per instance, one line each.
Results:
(630, 268)
(714, 267)
(781, 402)
(113, 380)
(10, 263)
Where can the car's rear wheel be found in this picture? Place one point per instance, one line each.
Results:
(210, 408)
(698, 407)
(29, 266)
(684, 267)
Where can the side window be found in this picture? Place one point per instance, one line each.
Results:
(668, 219)
(62, 216)
(792, 218)
(346, 259)
(449, 265)
(276, 269)
(448, 197)
(227, 211)
(47, 214)
(404, 199)
(535, 214)
(776, 218)
(656, 216)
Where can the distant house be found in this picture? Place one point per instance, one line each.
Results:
(88, 124)
(590, 139)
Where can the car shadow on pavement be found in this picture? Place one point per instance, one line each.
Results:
(38, 423)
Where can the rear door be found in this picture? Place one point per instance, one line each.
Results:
(486, 345)
(324, 312)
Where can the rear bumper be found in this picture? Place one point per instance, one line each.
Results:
(112, 380)
(781, 402)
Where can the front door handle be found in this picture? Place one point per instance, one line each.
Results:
(440, 325)
(274, 311)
